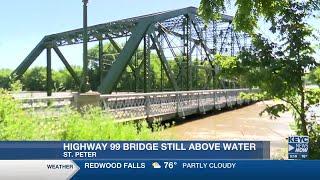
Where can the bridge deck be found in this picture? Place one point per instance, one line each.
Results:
(136, 106)
(169, 105)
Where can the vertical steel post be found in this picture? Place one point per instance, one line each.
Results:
(232, 41)
(85, 48)
(161, 77)
(136, 70)
(145, 65)
(213, 52)
(189, 54)
(100, 61)
(161, 66)
(149, 63)
(146, 61)
(49, 73)
(184, 56)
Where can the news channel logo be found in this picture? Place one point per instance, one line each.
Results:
(298, 147)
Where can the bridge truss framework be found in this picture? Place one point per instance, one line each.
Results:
(178, 37)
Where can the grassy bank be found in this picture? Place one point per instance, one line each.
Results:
(18, 124)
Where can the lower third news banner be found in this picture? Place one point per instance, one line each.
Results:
(145, 159)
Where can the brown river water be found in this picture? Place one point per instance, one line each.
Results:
(239, 124)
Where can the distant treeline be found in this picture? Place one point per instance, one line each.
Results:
(34, 78)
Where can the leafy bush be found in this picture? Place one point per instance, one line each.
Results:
(314, 138)
(68, 124)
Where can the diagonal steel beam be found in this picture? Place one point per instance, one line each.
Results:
(69, 68)
(114, 44)
(118, 48)
(204, 46)
(225, 38)
(26, 63)
(120, 28)
(238, 40)
(110, 81)
(164, 62)
(172, 50)
(168, 31)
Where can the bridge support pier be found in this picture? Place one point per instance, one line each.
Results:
(80, 100)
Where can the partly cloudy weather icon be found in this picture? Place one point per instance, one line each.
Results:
(156, 165)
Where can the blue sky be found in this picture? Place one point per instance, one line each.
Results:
(25, 23)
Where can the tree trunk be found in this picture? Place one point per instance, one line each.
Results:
(303, 113)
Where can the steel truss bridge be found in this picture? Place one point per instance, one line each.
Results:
(178, 38)
(138, 106)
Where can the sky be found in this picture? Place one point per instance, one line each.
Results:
(25, 23)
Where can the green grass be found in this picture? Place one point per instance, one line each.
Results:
(17, 124)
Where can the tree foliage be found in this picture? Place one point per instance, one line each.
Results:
(4, 74)
(229, 68)
(131, 80)
(278, 69)
(248, 11)
(35, 79)
(313, 77)
(132, 77)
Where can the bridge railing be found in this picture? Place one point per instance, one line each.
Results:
(45, 102)
(170, 104)
(44, 107)
(133, 106)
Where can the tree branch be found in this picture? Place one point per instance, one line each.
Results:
(291, 103)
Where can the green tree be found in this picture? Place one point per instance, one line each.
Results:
(248, 11)
(229, 69)
(62, 80)
(278, 69)
(128, 78)
(35, 79)
(4, 74)
(109, 56)
(314, 76)
(281, 68)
